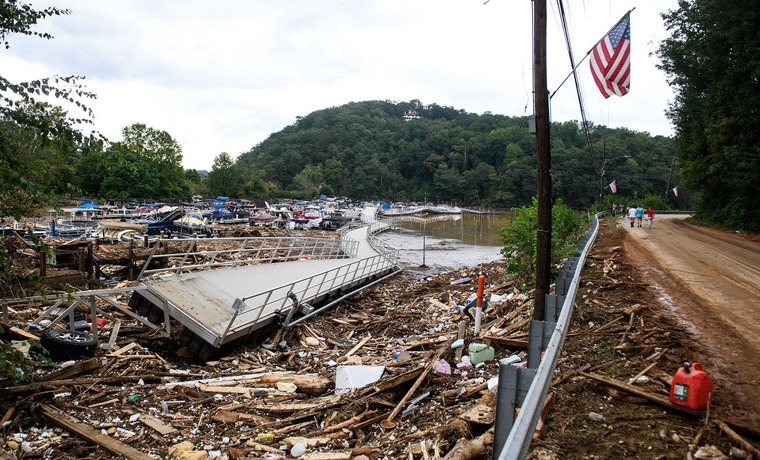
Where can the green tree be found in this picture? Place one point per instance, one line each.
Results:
(164, 155)
(222, 180)
(309, 181)
(712, 63)
(128, 174)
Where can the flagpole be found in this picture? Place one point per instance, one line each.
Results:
(587, 54)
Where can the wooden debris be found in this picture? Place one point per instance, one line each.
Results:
(156, 424)
(226, 416)
(538, 433)
(479, 413)
(358, 346)
(471, 449)
(334, 455)
(92, 435)
(225, 390)
(665, 402)
(77, 368)
(416, 385)
(647, 369)
(738, 439)
(310, 384)
(122, 350)
(263, 447)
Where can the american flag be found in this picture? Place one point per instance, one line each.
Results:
(613, 186)
(675, 191)
(611, 60)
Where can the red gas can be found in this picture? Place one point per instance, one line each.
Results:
(691, 387)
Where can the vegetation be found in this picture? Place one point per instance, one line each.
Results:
(368, 151)
(712, 62)
(519, 240)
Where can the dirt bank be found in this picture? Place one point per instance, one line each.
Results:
(653, 297)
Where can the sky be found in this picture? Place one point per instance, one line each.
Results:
(224, 76)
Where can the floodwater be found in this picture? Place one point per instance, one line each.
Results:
(439, 243)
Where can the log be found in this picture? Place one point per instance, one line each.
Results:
(83, 381)
(471, 449)
(313, 385)
(263, 447)
(741, 441)
(78, 368)
(92, 435)
(665, 402)
(246, 392)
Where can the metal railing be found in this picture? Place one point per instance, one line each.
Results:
(250, 310)
(516, 444)
(209, 253)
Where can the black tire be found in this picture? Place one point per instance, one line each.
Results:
(63, 344)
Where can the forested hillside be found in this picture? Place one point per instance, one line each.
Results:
(368, 150)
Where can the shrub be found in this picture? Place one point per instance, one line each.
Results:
(519, 240)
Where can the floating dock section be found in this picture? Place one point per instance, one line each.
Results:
(258, 282)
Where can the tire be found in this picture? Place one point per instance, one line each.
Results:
(63, 345)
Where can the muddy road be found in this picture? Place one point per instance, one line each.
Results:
(709, 280)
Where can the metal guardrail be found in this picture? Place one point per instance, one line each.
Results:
(517, 443)
(247, 251)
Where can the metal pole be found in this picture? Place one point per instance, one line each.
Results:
(423, 251)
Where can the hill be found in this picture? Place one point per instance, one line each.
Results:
(371, 150)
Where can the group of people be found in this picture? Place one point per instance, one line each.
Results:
(635, 214)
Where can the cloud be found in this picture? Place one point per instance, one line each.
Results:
(221, 77)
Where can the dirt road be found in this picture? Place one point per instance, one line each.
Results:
(710, 281)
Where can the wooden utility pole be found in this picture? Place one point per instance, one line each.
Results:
(543, 157)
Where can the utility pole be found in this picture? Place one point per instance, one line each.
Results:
(543, 157)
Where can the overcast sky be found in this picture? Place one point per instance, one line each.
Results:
(223, 76)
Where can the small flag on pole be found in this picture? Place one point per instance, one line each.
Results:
(613, 186)
(611, 60)
(675, 191)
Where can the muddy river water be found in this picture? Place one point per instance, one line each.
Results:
(437, 243)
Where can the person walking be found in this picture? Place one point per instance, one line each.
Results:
(650, 215)
(632, 214)
(639, 215)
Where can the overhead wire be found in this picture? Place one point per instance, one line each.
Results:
(579, 92)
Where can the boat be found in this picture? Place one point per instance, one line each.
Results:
(192, 225)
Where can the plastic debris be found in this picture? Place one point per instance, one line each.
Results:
(442, 367)
(297, 450)
(348, 378)
(480, 352)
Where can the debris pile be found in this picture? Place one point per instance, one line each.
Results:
(394, 372)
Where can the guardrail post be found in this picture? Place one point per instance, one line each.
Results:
(514, 383)
(538, 339)
(553, 307)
